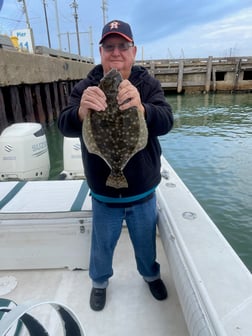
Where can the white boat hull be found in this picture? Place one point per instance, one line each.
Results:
(210, 289)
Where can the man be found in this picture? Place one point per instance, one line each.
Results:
(137, 203)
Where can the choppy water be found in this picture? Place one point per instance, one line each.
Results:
(210, 147)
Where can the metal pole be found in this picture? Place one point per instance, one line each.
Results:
(104, 10)
(47, 28)
(68, 42)
(28, 24)
(26, 13)
(91, 42)
(57, 20)
(74, 5)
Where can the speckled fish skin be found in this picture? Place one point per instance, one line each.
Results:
(115, 135)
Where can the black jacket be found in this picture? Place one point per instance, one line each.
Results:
(143, 170)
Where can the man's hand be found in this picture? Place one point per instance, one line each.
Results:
(128, 96)
(92, 98)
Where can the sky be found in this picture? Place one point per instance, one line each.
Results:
(161, 28)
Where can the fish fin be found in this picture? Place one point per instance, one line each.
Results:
(117, 180)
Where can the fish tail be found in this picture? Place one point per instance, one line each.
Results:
(117, 180)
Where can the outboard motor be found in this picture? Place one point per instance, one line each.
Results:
(24, 152)
(72, 159)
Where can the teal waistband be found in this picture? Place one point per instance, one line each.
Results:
(129, 199)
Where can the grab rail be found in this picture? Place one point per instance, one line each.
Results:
(70, 322)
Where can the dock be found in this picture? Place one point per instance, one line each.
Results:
(35, 87)
(212, 74)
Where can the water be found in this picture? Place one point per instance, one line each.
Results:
(210, 147)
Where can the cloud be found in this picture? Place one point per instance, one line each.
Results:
(195, 29)
(231, 35)
(160, 18)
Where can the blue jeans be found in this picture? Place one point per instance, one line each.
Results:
(141, 221)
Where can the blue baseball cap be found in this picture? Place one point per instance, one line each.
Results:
(117, 27)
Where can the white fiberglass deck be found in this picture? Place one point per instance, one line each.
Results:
(130, 308)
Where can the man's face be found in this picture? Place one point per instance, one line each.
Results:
(117, 53)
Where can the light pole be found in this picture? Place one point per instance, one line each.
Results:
(47, 28)
(74, 5)
(28, 24)
(26, 14)
(57, 20)
(104, 10)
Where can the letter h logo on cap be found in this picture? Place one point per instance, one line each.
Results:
(114, 25)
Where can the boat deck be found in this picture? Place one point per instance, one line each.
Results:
(46, 228)
(40, 225)
(130, 308)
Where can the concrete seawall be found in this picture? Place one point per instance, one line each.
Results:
(17, 68)
(36, 87)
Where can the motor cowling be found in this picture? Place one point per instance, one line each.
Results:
(72, 159)
(24, 152)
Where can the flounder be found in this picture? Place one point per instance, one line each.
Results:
(115, 135)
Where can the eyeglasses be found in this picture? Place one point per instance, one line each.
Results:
(120, 46)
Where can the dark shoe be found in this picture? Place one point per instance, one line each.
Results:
(158, 289)
(98, 298)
